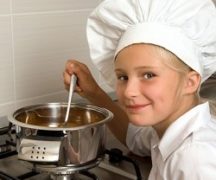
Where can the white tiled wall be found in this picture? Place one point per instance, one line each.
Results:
(36, 38)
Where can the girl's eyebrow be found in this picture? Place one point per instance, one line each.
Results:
(147, 67)
(139, 67)
(118, 69)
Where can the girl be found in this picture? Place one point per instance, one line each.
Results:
(159, 53)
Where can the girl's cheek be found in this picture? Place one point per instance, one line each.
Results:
(119, 92)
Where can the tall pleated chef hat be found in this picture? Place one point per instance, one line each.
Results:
(187, 28)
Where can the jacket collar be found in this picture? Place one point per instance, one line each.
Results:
(184, 126)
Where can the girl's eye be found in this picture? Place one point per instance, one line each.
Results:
(149, 75)
(122, 78)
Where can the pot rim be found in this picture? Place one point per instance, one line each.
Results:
(108, 116)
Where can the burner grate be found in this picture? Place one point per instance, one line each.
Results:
(81, 175)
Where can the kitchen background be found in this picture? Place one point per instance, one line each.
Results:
(36, 39)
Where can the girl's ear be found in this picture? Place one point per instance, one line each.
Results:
(193, 81)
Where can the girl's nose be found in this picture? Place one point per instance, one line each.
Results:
(131, 89)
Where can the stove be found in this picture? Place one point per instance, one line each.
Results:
(117, 163)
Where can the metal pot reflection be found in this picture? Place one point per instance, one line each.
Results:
(42, 136)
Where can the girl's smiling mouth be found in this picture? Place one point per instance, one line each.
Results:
(136, 107)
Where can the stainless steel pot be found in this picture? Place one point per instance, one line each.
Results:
(43, 137)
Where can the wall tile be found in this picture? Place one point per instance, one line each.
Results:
(5, 110)
(5, 41)
(3, 121)
(4, 7)
(7, 85)
(6, 63)
(59, 97)
(42, 44)
(23, 6)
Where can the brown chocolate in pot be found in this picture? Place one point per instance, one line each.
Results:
(46, 117)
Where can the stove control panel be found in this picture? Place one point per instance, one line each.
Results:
(39, 150)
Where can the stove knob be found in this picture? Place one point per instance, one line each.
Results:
(115, 155)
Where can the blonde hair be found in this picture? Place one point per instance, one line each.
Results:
(175, 63)
(172, 61)
(178, 65)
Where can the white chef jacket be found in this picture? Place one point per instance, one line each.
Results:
(187, 150)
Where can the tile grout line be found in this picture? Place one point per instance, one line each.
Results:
(13, 51)
(43, 12)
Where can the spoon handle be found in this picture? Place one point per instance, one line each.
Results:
(71, 90)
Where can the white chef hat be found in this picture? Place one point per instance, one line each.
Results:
(187, 28)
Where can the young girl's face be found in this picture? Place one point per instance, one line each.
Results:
(149, 91)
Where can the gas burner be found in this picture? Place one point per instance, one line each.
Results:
(61, 170)
(7, 146)
(7, 140)
(4, 148)
(64, 172)
(82, 175)
(75, 176)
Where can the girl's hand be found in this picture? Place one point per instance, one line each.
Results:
(86, 84)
